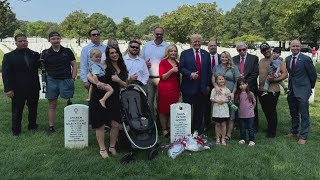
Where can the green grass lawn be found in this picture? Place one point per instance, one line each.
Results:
(43, 156)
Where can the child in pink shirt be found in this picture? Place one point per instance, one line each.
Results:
(247, 102)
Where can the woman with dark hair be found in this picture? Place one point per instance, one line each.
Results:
(116, 76)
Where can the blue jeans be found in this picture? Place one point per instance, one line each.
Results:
(299, 106)
(247, 123)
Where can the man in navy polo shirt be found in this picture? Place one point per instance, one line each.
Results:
(61, 67)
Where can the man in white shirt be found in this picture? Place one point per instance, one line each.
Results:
(136, 66)
(94, 35)
(153, 52)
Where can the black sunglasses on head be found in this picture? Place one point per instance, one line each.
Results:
(96, 34)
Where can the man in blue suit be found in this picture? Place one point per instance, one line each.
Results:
(302, 78)
(195, 67)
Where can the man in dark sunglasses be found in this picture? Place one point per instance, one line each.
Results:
(94, 36)
(249, 69)
(136, 66)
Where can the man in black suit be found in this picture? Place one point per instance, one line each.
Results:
(21, 82)
(249, 69)
(215, 60)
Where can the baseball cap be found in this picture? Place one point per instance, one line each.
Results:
(54, 34)
(264, 46)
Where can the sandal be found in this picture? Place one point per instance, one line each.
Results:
(227, 138)
(218, 141)
(104, 153)
(223, 142)
(113, 151)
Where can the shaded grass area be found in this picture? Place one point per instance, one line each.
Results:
(43, 156)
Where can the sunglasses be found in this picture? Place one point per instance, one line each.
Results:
(134, 47)
(239, 50)
(97, 34)
(159, 34)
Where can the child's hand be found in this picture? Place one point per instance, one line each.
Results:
(276, 75)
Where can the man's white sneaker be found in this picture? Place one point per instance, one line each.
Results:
(242, 141)
(251, 143)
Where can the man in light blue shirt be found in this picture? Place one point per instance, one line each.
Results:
(153, 52)
(94, 35)
(136, 66)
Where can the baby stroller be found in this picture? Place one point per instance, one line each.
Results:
(138, 124)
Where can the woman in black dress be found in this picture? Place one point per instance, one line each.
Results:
(116, 76)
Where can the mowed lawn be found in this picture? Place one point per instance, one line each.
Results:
(43, 156)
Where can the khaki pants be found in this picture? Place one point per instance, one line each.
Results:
(152, 90)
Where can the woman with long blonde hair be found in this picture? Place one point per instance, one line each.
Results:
(169, 86)
(231, 74)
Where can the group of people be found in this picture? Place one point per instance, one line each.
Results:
(210, 82)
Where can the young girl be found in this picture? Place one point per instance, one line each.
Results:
(97, 70)
(247, 102)
(220, 108)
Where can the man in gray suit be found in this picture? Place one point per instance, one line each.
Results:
(249, 69)
(302, 78)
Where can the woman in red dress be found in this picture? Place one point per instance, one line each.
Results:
(169, 86)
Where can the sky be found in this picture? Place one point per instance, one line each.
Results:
(137, 10)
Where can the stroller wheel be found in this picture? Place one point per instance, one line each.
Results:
(127, 158)
(153, 153)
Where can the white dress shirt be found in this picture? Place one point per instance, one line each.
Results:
(138, 67)
(155, 53)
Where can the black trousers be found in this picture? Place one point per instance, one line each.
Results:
(18, 102)
(207, 112)
(197, 102)
(269, 106)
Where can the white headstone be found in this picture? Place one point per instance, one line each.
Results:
(76, 126)
(41, 94)
(180, 120)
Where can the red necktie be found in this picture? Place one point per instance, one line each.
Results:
(213, 63)
(242, 65)
(198, 62)
(293, 63)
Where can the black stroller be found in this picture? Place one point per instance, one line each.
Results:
(138, 124)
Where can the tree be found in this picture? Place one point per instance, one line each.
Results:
(303, 17)
(243, 19)
(37, 29)
(146, 27)
(8, 23)
(204, 18)
(105, 24)
(127, 29)
(75, 25)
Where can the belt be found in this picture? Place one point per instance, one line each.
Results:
(153, 76)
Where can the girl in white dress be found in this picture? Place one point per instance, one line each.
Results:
(220, 109)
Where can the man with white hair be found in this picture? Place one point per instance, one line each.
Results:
(249, 69)
(195, 67)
